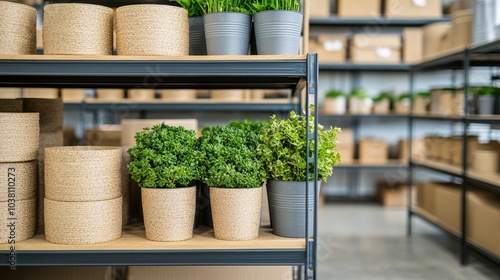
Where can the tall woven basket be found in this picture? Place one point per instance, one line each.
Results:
(152, 30)
(25, 220)
(11, 105)
(20, 134)
(17, 28)
(78, 29)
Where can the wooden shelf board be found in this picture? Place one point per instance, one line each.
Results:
(154, 58)
(357, 163)
(439, 165)
(194, 101)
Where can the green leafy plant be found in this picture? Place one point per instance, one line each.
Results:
(274, 5)
(383, 96)
(195, 8)
(486, 91)
(423, 94)
(358, 93)
(217, 6)
(283, 149)
(165, 157)
(229, 160)
(334, 94)
(404, 96)
(251, 129)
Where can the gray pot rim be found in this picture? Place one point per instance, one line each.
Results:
(238, 13)
(277, 11)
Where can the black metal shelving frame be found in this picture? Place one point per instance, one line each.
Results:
(486, 55)
(295, 73)
(380, 21)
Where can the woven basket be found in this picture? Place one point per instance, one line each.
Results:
(125, 187)
(236, 213)
(20, 134)
(169, 213)
(79, 223)
(11, 105)
(51, 112)
(152, 30)
(178, 95)
(107, 135)
(10, 93)
(23, 180)
(25, 214)
(46, 93)
(228, 95)
(83, 173)
(78, 29)
(141, 94)
(73, 94)
(110, 94)
(17, 28)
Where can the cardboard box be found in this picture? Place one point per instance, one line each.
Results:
(131, 126)
(426, 197)
(319, 8)
(461, 29)
(483, 221)
(373, 151)
(392, 195)
(413, 8)
(418, 149)
(433, 33)
(330, 48)
(486, 159)
(448, 206)
(54, 273)
(345, 146)
(106, 135)
(413, 44)
(359, 8)
(375, 48)
(456, 150)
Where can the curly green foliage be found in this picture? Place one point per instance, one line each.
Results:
(217, 6)
(274, 5)
(195, 8)
(165, 157)
(283, 149)
(252, 130)
(228, 159)
(358, 93)
(334, 94)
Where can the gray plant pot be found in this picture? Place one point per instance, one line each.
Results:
(287, 205)
(278, 32)
(227, 33)
(486, 105)
(197, 43)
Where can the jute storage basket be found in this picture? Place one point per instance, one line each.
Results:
(228, 95)
(83, 173)
(152, 30)
(78, 223)
(17, 28)
(10, 93)
(110, 94)
(11, 105)
(25, 214)
(20, 135)
(22, 181)
(46, 93)
(73, 94)
(51, 112)
(78, 29)
(178, 95)
(141, 94)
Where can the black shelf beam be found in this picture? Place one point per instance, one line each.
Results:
(364, 116)
(381, 21)
(364, 67)
(439, 118)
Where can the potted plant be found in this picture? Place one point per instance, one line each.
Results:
(235, 175)
(359, 102)
(164, 163)
(278, 26)
(227, 27)
(422, 102)
(283, 152)
(485, 99)
(197, 43)
(335, 102)
(403, 104)
(382, 103)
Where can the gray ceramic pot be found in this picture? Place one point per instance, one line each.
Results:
(197, 43)
(486, 105)
(227, 33)
(278, 32)
(287, 205)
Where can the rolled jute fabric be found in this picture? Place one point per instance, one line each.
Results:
(18, 180)
(17, 28)
(51, 112)
(83, 222)
(152, 30)
(83, 173)
(20, 135)
(11, 105)
(78, 29)
(23, 217)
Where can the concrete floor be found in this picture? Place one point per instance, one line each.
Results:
(369, 242)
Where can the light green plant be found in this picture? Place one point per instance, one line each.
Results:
(358, 93)
(334, 94)
(404, 96)
(195, 8)
(383, 96)
(217, 6)
(274, 5)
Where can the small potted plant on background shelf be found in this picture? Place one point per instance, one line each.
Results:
(335, 102)
(403, 104)
(422, 102)
(164, 163)
(382, 103)
(485, 99)
(283, 152)
(359, 102)
(235, 175)
(278, 26)
(197, 43)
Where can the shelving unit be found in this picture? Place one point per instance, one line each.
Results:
(380, 21)
(211, 72)
(476, 56)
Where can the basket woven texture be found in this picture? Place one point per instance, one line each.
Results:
(79, 223)
(125, 187)
(11, 105)
(109, 94)
(178, 95)
(169, 213)
(141, 94)
(51, 112)
(25, 215)
(78, 29)
(23, 180)
(20, 134)
(83, 173)
(152, 30)
(17, 28)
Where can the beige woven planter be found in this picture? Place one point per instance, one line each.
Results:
(110, 94)
(45, 93)
(79, 223)
(25, 215)
(73, 94)
(228, 95)
(20, 135)
(236, 213)
(11, 105)
(180, 95)
(22, 181)
(152, 30)
(169, 213)
(51, 112)
(78, 29)
(141, 95)
(17, 28)
(10, 93)
(83, 173)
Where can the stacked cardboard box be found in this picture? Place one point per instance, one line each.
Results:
(413, 9)
(376, 48)
(447, 206)
(392, 195)
(330, 48)
(345, 146)
(373, 151)
(483, 220)
(359, 8)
